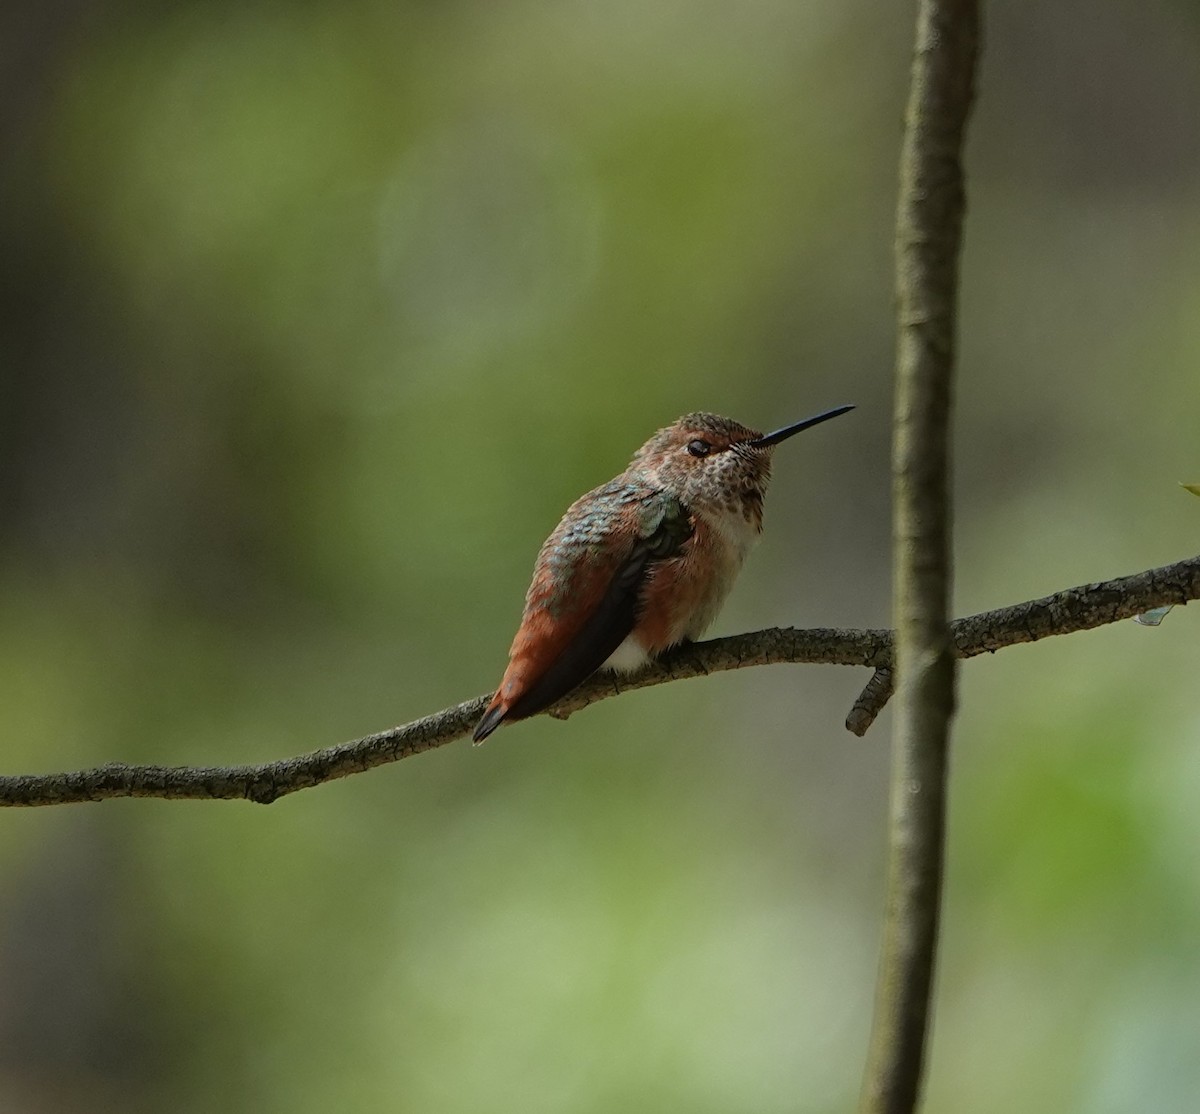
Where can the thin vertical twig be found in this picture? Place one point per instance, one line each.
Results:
(928, 236)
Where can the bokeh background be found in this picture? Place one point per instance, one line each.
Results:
(315, 318)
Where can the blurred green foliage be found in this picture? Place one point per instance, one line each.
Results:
(315, 319)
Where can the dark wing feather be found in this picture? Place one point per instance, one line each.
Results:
(603, 631)
(611, 622)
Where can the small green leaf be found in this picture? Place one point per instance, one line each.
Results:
(1193, 488)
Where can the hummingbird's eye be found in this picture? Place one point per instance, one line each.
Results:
(699, 448)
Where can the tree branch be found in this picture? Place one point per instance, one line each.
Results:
(1076, 609)
(929, 220)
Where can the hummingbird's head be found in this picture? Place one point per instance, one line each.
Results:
(715, 464)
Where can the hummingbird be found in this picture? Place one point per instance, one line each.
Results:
(641, 563)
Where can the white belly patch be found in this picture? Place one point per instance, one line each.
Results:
(627, 657)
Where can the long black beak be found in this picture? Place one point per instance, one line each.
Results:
(788, 430)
